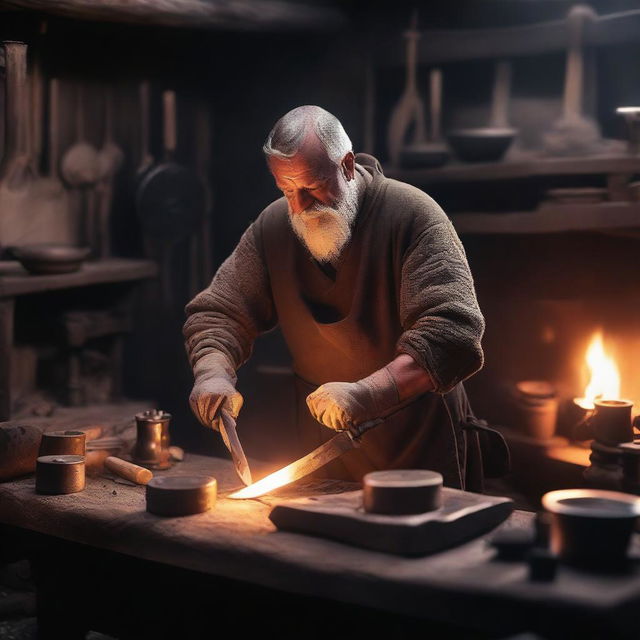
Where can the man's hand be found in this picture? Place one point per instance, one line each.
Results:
(210, 396)
(341, 405)
(214, 389)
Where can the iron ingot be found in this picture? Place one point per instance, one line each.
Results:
(181, 495)
(152, 440)
(60, 474)
(63, 443)
(402, 492)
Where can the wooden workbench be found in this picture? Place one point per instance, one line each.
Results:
(236, 541)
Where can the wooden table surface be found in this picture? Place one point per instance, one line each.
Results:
(237, 540)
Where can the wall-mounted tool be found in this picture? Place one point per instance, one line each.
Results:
(110, 159)
(170, 199)
(408, 114)
(80, 169)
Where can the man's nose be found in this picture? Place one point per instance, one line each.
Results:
(299, 201)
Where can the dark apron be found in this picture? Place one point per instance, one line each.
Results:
(358, 337)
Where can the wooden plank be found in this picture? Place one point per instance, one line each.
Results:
(552, 219)
(517, 169)
(438, 46)
(15, 281)
(239, 15)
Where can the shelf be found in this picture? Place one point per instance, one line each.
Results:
(15, 281)
(450, 45)
(518, 169)
(239, 15)
(605, 216)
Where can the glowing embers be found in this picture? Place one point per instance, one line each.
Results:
(604, 382)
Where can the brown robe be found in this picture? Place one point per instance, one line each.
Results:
(402, 285)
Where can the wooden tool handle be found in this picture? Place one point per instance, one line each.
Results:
(435, 99)
(128, 470)
(574, 78)
(54, 132)
(144, 91)
(169, 126)
(15, 55)
(501, 91)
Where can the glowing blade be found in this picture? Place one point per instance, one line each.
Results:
(325, 453)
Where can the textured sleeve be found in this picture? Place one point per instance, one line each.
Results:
(236, 307)
(442, 323)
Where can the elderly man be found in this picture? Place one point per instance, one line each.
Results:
(370, 285)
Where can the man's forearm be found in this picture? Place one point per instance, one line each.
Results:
(410, 378)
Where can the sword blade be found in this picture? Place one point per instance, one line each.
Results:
(232, 442)
(325, 453)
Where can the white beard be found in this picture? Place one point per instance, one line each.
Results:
(326, 230)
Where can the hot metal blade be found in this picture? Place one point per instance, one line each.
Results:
(232, 442)
(325, 453)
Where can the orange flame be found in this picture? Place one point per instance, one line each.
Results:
(604, 374)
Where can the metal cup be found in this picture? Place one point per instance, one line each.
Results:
(152, 442)
(610, 421)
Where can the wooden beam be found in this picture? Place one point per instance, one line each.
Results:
(449, 45)
(239, 15)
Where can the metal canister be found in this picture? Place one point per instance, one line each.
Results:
(152, 440)
(60, 474)
(71, 443)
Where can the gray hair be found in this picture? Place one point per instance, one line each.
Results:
(288, 134)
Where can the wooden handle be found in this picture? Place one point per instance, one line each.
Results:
(501, 90)
(169, 122)
(144, 92)
(435, 100)
(412, 36)
(574, 78)
(128, 470)
(54, 132)
(16, 76)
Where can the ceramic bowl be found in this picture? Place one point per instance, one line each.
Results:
(51, 258)
(486, 144)
(425, 155)
(592, 528)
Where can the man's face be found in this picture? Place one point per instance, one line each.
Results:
(321, 195)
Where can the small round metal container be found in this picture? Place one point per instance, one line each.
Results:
(181, 495)
(402, 492)
(60, 474)
(592, 528)
(71, 443)
(152, 440)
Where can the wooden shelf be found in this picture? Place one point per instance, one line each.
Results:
(518, 169)
(605, 216)
(451, 45)
(239, 15)
(14, 280)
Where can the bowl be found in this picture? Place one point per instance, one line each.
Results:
(51, 258)
(486, 144)
(424, 155)
(591, 528)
